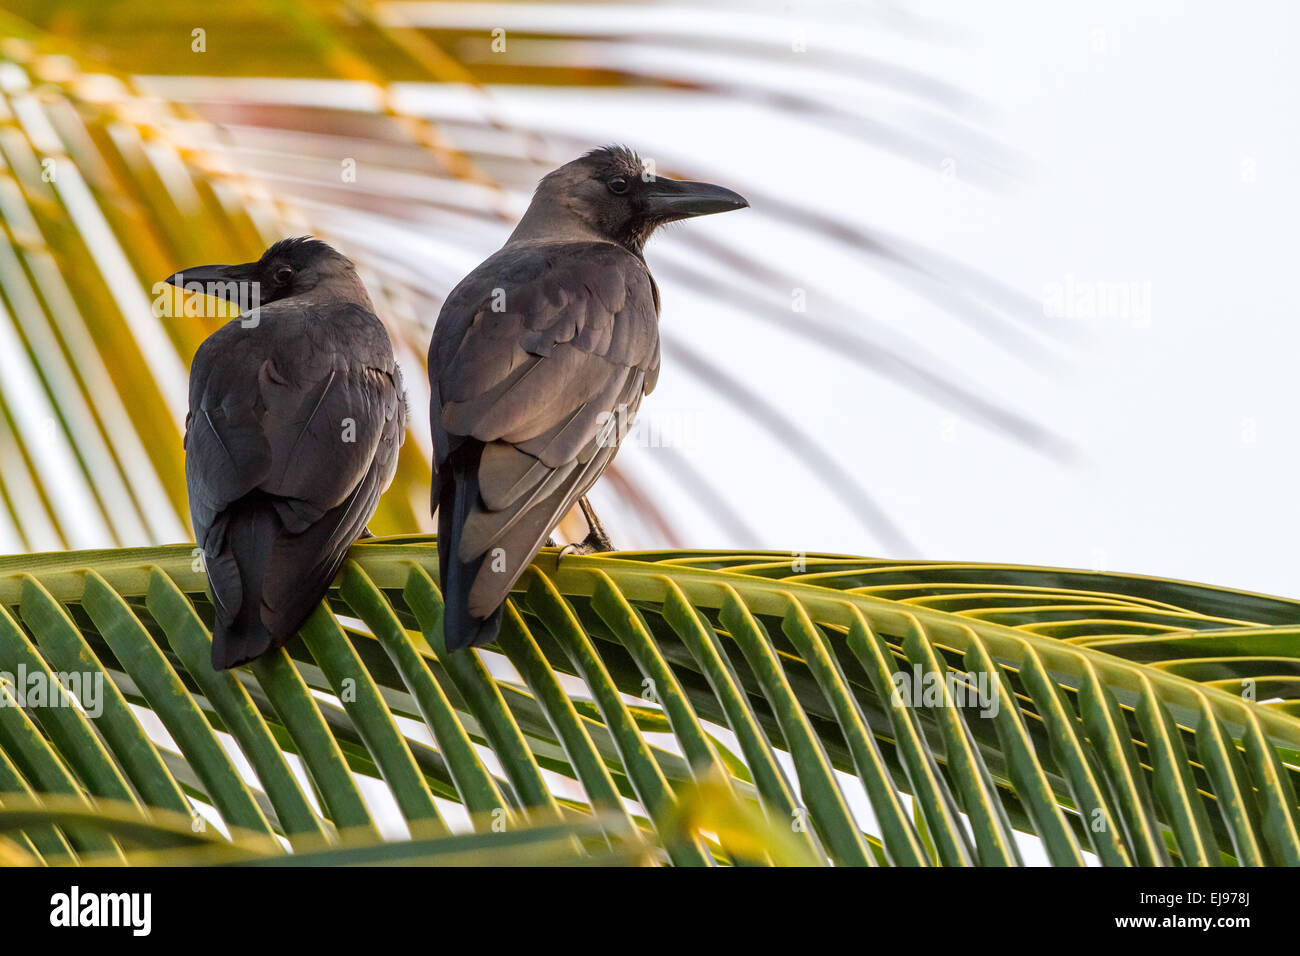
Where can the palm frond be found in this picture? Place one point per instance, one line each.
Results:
(119, 165)
(692, 708)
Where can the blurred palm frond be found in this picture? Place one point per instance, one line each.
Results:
(136, 140)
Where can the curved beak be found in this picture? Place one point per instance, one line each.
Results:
(682, 198)
(224, 282)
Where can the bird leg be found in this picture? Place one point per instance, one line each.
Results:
(597, 539)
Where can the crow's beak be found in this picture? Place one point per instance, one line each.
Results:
(224, 282)
(681, 199)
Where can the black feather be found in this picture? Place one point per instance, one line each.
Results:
(539, 357)
(521, 405)
(459, 496)
(293, 433)
(251, 530)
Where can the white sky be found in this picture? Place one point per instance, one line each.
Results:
(1152, 144)
(1167, 160)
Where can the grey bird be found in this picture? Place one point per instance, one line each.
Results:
(296, 416)
(539, 360)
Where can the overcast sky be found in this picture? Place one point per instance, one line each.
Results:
(1129, 169)
(1149, 168)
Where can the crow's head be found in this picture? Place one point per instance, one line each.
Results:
(292, 268)
(612, 193)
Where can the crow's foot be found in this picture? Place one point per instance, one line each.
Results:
(596, 540)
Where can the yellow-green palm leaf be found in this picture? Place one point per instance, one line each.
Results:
(661, 707)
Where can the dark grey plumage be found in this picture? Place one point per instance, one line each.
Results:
(538, 356)
(293, 433)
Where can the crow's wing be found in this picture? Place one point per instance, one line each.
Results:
(304, 411)
(541, 355)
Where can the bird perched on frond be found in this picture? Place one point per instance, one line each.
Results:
(296, 416)
(539, 357)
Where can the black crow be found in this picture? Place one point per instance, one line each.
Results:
(296, 416)
(539, 360)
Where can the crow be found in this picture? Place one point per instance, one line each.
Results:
(538, 362)
(296, 415)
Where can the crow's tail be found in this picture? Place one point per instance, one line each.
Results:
(250, 533)
(458, 493)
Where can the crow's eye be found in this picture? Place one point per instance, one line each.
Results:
(617, 185)
(283, 275)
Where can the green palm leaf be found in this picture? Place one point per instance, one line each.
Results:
(675, 707)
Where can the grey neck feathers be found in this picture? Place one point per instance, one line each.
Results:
(550, 218)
